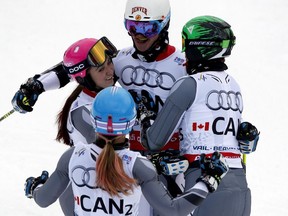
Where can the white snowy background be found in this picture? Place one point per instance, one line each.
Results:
(35, 33)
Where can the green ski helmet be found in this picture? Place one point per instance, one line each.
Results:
(205, 38)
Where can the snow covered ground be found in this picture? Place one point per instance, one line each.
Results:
(35, 34)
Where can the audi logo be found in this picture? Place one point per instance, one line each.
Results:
(83, 176)
(152, 78)
(216, 100)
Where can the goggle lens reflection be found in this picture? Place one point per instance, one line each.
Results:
(97, 55)
(148, 29)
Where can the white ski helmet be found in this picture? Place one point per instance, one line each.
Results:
(147, 10)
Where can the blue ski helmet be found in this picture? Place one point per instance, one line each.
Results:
(113, 111)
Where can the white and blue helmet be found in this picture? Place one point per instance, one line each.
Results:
(113, 111)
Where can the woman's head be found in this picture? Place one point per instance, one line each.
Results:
(114, 114)
(88, 61)
(113, 111)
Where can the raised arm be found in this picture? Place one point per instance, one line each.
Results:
(27, 95)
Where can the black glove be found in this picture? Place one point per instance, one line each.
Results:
(25, 98)
(32, 183)
(169, 162)
(212, 170)
(146, 112)
(247, 136)
(145, 104)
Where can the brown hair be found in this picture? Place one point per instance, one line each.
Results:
(110, 172)
(62, 117)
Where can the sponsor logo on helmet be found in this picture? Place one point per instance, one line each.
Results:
(201, 43)
(141, 9)
(76, 49)
(76, 68)
(138, 17)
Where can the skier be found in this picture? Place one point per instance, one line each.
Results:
(147, 69)
(94, 57)
(208, 105)
(117, 192)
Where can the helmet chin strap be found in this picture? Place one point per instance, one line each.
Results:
(156, 48)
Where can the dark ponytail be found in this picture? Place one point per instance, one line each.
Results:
(62, 117)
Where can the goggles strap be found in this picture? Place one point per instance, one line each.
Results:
(83, 65)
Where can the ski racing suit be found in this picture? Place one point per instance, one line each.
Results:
(79, 123)
(208, 106)
(80, 160)
(149, 80)
(152, 80)
(80, 129)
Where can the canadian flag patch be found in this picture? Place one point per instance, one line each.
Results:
(200, 126)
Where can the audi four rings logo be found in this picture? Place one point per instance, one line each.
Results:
(83, 176)
(216, 100)
(140, 76)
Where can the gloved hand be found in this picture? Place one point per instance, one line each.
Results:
(212, 170)
(26, 97)
(33, 183)
(146, 113)
(247, 136)
(145, 105)
(169, 162)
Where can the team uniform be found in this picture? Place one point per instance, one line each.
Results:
(151, 80)
(208, 106)
(146, 79)
(77, 165)
(91, 199)
(79, 123)
(80, 129)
